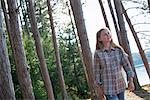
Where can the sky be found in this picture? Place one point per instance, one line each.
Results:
(94, 21)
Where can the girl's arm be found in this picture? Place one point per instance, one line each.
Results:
(127, 67)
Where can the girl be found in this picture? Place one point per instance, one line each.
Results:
(109, 59)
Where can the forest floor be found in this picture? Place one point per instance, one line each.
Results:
(142, 94)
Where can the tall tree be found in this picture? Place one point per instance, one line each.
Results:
(104, 14)
(18, 50)
(57, 54)
(124, 38)
(82, 33)
(6, 83)
(143, 56)
(114, 20)
(148, 1)
(76, 37)
(40, 53)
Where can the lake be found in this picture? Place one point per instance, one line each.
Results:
(142, 75)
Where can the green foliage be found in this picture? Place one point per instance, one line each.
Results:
(33, 63)
(70, 58)
(72, 65)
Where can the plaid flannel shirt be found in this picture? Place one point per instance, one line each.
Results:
(108, 70)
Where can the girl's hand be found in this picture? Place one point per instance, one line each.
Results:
(101, 93)
(131, 86)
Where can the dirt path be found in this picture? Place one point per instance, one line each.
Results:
(143, 94)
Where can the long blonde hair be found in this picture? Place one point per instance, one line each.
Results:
(99, 44)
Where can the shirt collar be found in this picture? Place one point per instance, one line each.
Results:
(111, 48)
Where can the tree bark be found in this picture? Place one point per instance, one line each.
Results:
(143, 56)
(57, 54)
(77, 40)
(114, 21)
(40, 53)
(104, 14)
(124, 38)
(148, 1)
(86, 52)
(6, 83)
(18, 50)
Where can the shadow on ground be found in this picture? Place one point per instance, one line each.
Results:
(144, 92)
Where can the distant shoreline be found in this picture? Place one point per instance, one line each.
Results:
(140, 65)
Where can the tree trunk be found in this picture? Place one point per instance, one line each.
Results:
(145, 61)
(40, 53)
(6, 83)
(114, 20)
(57, 54)
(77, 41)
(82, 33)
(148, 1)
(125, 42)
(18, 51)
(104, 14)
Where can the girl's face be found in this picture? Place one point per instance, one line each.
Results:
(105, 36)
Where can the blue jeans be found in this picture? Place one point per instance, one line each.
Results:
(119, 96)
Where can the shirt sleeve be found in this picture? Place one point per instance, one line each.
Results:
(126, 64)
(97, 69)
